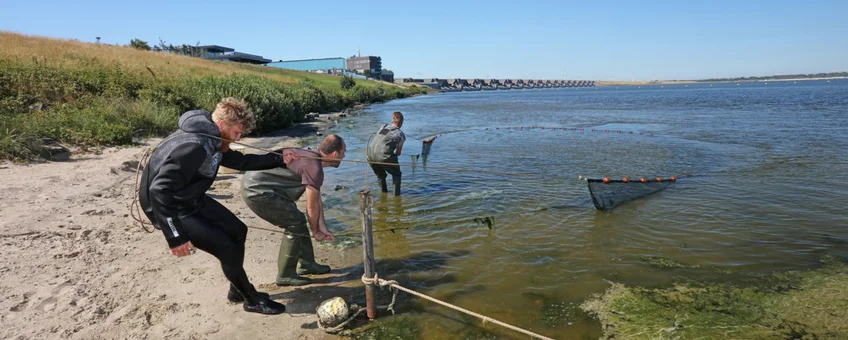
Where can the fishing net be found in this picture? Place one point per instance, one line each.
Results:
(607, 194)
(425, 148)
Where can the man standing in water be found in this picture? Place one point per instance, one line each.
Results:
(174, 183)
(385, 147)
(272, 195)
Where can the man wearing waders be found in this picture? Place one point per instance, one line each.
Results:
(385, 147)
(173, 188)
(272, 195)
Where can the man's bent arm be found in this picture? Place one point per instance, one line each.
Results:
(239, 161)
(399, 148)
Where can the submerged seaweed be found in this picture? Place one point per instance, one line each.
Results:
(811, 304)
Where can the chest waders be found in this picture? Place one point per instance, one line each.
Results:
(272, 195)
(382, 149)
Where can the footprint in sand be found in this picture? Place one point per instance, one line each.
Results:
(23, 304)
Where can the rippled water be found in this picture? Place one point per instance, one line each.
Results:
(766, 188)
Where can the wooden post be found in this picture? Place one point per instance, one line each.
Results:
(367, 251)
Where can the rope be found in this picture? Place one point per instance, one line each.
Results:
(394, 284)
(411, 165)
(384, 163)
(340, 326)
(390, 307)
(135, 207)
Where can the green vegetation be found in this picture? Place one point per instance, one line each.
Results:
(139, 44)
(347, 82)
(664, 263)
(90, 94)
(793, 305)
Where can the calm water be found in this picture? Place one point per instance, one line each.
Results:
(766, 193)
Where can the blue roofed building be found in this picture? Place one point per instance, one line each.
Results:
(312, 65)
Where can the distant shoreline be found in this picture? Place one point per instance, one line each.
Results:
(672, 82)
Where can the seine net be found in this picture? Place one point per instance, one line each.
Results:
(608, 194)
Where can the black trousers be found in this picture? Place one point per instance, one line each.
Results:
(215, 230)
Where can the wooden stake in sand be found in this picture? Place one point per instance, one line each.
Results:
(367, 251)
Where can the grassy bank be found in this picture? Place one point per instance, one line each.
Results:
(88, 94)
(794, 305)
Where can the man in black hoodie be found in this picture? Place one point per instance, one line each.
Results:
(173, 193)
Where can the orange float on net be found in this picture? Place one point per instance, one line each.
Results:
(581, 129)
(652, 135)
(641, 133)
(659, 179)
(625, 179)
(673, 178)
(643, 180)
(619, 131)
(606, 180)
(631, 132)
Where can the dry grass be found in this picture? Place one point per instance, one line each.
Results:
(69, 54)
(91, 94)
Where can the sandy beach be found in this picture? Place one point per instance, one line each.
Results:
(76, 266)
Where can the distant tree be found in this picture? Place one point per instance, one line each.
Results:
(367, 73)
(163, 46)
(347, 82)
(139, 44)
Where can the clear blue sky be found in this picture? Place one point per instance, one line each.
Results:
(617, 40)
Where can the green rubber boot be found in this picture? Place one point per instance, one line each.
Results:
(290, 249)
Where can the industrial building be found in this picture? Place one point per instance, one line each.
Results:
(221, 53)
(324, 64)
(373, 64)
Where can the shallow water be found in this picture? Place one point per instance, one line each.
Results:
(766, 179)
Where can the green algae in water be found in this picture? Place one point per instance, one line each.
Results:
(400, 327)
(802, 305)
(665, 263)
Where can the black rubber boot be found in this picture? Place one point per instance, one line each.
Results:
(396, 184)
(383, 186)
(235, 296)
(264, 305)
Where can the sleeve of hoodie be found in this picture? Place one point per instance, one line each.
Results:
(174, 174)
(239, 161)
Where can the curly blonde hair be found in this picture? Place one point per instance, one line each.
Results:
(235, 111)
